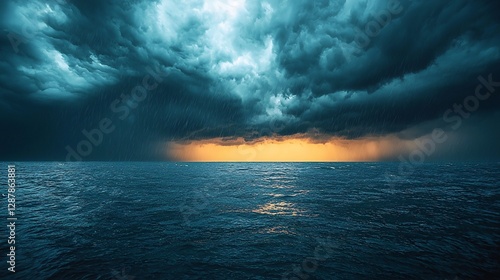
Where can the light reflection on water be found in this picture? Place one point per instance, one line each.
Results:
(277, 230)
(256, 220)
(278, 208)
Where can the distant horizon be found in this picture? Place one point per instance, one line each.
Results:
(250, 139)
(167, 161)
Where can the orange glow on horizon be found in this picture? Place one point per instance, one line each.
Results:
(288, 149)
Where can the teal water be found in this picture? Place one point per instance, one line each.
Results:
(255, 221)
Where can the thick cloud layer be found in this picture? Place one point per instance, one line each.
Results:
(249, 69)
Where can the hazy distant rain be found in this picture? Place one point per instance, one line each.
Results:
(426, 146)
(122, 107)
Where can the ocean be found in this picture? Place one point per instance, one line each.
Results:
(167, 220)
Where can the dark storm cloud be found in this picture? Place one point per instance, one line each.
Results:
(238, 69)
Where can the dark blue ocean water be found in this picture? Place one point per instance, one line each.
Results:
(254, 221)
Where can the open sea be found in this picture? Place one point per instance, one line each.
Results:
(140, 220)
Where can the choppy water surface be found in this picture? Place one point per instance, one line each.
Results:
(255, 221)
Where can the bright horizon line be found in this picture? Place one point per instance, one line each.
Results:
(177, 161)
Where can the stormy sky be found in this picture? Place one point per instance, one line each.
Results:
(132, 77)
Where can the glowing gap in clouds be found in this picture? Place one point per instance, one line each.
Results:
(289, 149)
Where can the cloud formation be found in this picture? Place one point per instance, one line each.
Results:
(346, 69)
